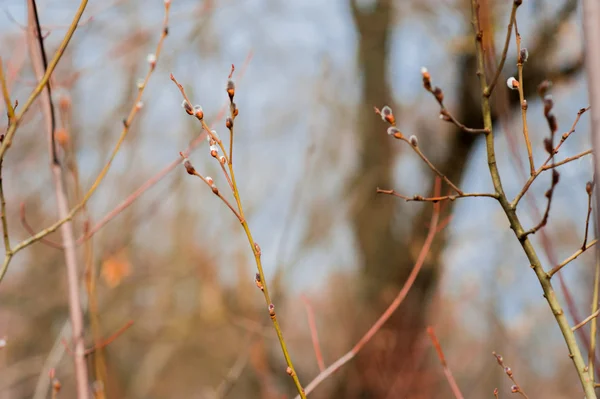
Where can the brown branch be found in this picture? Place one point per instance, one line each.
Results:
(549, 194)
(335, 366)
(438, 349)
(589, 188)
(110, 339)
(544, 168)
(445, 114)
(554, 151)
(420, 198)
(571, 258)
(314, 334)
(586, 320)
(30, 230)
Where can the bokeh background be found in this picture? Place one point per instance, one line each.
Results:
(309, 154)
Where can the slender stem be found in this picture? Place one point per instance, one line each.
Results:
(257, 257)
(218, 194)
(437, 198)
(335, 366)
(549, 293)
(587, 217)
(489, 89)
(7, 249)
(542, 168)
(571, 258)
(432, 166)
(438, 349)
(10, 111)
(314, 334)
(586, 320)
(594, 324)
(523, 101)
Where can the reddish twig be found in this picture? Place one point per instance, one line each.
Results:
(589, 189)
(314, 335)
(390, 310)
(110, 339)
(31, 231)
(438, 348)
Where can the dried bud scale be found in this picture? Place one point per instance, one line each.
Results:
(229, 123)
(439, 94)
(210, 181)
(552, 122)
(272, 310)
(426, 78)
(188, 107)
(258, 282)
(555, 177)
(523, 56)
(230, 89)
(589, 187)
(548, 104)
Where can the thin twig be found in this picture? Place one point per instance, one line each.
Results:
(438, 349)
(3, 214)
(545, 166)
(516, 388)
(314, 334)
(10, 111)
(39, 62)
(30, 230)
(110, 339)
(513, 14)
(589, 188)
(335, 366)
(571, 258)
(434, 199)
(586, 320)
(522, 59)
(431, 166)
(549, 196)
(594, 324)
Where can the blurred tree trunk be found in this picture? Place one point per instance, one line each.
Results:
(393, 363)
